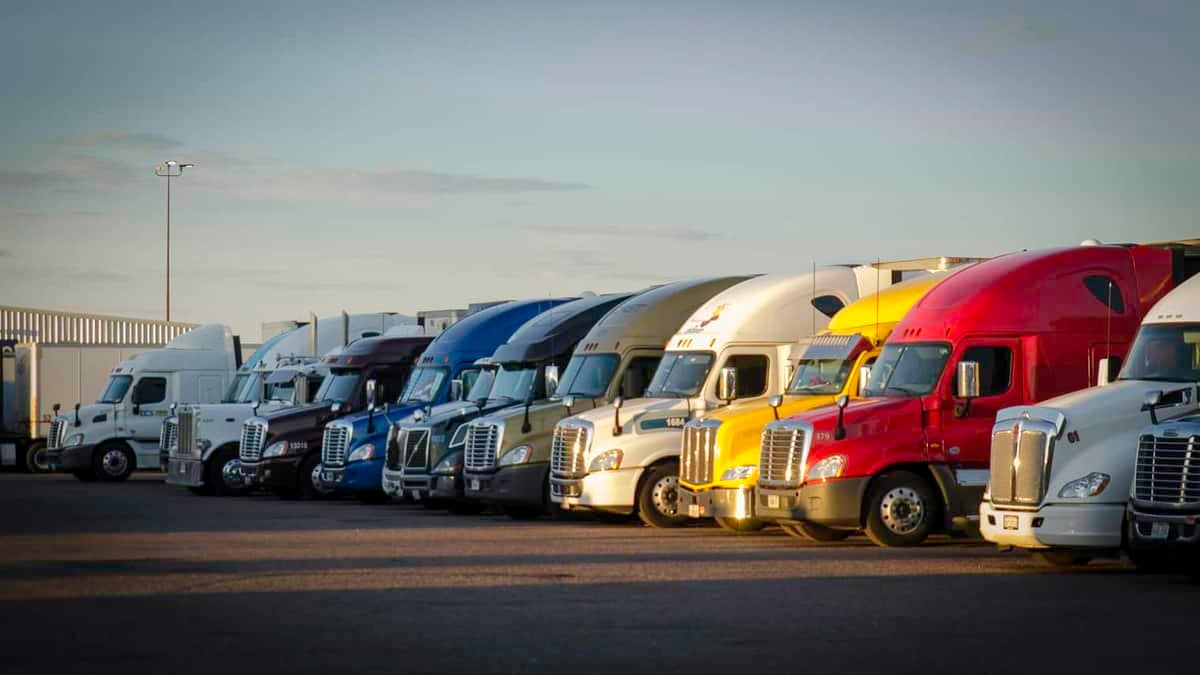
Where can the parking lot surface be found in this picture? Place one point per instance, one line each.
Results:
(142, 576)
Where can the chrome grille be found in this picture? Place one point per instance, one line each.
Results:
(414, 443)
(482, 441)
(57, 433)
(254, 433)
(185, 440)
(334, 444)
(568, 450)
(1168, 470)
(783, 453)
(1020, 460)
(699, 452)
(168, 436)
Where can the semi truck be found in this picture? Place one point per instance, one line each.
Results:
(119, 433)
(285, 371)
(354, 448)
(912, 457)
(740, 344)
(280, 451)
(617, 357)
(520, 366)
(719, 456)
(1064, 470)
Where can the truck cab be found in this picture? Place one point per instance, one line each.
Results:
(1063, 470)
(912, 457)
(108, 440)
(354, 448)
(740, 344)
(719, 456)
(617, 357)
(281, 451)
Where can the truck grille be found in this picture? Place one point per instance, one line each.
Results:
(414, 443)
(393, 459)
(57, 433)
(1168, 471)
(482, 441)
(783, 453)
(168, 436)
(185, 429)
(1020, 462)
(567, 451)
(699, 453)
(334, 444)
(254, 433)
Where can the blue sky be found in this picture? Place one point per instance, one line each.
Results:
(405, 156)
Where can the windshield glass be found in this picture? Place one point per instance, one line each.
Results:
(231, 394)
(587, 376)
(820, 376)
(424, 385)
(114, 392)
(482, 385)
(908, 369)
(280, 391)
(1166, 353)
(680, 374)
(513, 383)
(339, 386)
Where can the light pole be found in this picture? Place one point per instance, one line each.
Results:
(169, 170)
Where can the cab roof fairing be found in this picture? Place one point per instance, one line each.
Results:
(478, 335)
(554, 333)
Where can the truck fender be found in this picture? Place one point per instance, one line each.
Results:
(929, 472)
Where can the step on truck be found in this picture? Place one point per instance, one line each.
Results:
(281, 451)
(354, 449)
(911, 458)
(617, 357)
(1063, 470)
(119, 433)
(741, 344)
(285, 371)
(719, 456)
(520, 366)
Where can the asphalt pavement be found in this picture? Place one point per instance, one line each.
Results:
(142, 577)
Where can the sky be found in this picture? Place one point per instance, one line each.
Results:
(400, 156)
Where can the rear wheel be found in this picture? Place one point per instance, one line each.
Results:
(658, 496)
(1062, 559)
(113, 463)
(814, 532)
(35, 458)
(214, 471)
(740, 525)
(901, 509)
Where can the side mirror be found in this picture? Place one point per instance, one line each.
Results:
(1151, 403)
(843, 401)
(336, 408)
(456, 390)
(968, 380)
(372, 390)
(1107, 371)
(568, 402)
(727, 385)
(775, 401)
(617, 403)
(864, 379)
(839, 433)
(551, 379)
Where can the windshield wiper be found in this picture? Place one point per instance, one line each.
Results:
(903, 390)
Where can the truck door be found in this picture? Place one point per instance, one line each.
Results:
(209, 388)
(149, 406)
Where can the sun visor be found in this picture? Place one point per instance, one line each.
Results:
(530, 352)
(840, 347)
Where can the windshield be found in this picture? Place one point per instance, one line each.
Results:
(1166, 353)
(680, 374)
(424, 385)
(339, 386)
(114, 392)
(280, 391)
(820, 376)
(482, 385)
(587, 376)
(907, 369)
(231, 394)
(513, 383)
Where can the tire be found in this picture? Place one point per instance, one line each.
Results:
(902, 509)
(35, 458)
(113, 462)
(658, 496)
(309, 486)
(815, 532)
(1062, 559)
(214, 472)
(85, 475)
(740, 526)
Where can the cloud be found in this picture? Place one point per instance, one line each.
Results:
(71, 173)
(12, 181)
(138, 140)
(674, 232)
(429, 182)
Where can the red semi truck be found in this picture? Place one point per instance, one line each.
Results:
(911, 458)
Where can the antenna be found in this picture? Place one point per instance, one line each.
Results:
(814, 300)
(877, 289)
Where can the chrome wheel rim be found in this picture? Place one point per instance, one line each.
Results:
(231, 473)
(665, 496)
(317, 483)
(902, 510)
(114, 462)
(39, 460)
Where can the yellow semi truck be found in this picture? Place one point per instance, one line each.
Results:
(720, 451)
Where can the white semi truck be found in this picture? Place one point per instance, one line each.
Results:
(283, 372)
(119, 433)
(1062, 470)
(741, 344)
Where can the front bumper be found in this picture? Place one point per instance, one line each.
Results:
(277, 473)
(186, 472)
(1163, 532)
(362, 476)
(74, 458)
(614, 491)
(1053, 525)
(735, 503)
(523, 484)
(834, 503)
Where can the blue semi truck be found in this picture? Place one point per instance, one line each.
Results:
(353, 447)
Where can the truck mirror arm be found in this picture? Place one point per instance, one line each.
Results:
(963, 409)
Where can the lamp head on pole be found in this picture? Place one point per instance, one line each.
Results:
(172, 168)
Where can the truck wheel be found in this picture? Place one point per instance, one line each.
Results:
(113, 463)
(214, 472)
(85, 475)
(35, 458)
(310, 479)
(901, 509)
(740, 525)
(815, 532)
(658, 496)
(1062, 559)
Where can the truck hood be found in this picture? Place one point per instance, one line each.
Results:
(637, 413)
(863, 417)
(91, 429)
(543, 416)
(740, 435)
(383, 420)
(299, 418)
(227, 412)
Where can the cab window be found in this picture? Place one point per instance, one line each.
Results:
(1106, 291)
(995, 368)
(150, 390)
(752, 373)
(637, 376)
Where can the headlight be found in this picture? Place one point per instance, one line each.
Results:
(609, 460)
(73, 440)
(518, 455)
(362, 452)
(204, 444)
(830, 467)
(276, 449)
(1088, 486)
(739, 472)
(459, 437)
(448, 465)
